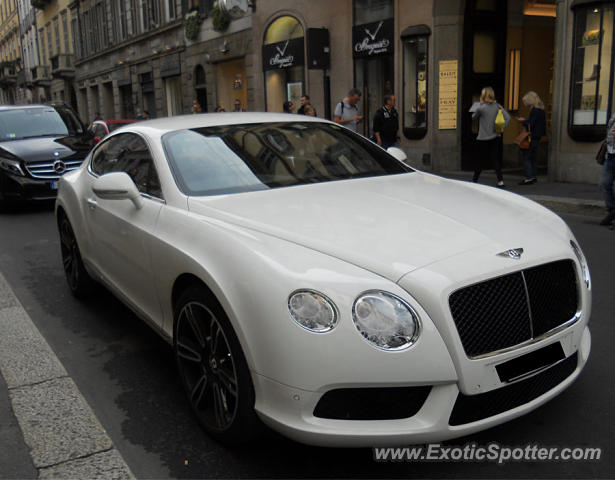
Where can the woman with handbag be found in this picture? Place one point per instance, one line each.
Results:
(537, 128)
(492, 120)
(608, 174)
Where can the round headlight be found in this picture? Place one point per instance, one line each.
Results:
(385, 321)
(584, 267)
(312, 311)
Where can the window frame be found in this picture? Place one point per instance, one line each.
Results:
(594, 132)
(415, 133)
(145, 141)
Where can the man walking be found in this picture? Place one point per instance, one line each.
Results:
(608, 174)
(347, 112)
(386, 123)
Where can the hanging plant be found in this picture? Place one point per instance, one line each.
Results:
(220, 18)
(192, 24)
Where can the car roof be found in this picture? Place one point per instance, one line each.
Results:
(181, 122)
(21, 107)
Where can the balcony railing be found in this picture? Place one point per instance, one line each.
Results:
(62, 66)
(41, 75)
(8, 75)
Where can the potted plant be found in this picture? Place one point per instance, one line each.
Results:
(192, 24)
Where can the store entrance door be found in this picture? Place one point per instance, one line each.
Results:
(484, 65)
(374, 77)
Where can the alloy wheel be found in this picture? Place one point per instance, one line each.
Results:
(70, 254)
(207, 366)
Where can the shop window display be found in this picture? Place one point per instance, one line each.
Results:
(415, 87)
(592, 73)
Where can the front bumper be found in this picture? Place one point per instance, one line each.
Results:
(19, 188)
(290, 410)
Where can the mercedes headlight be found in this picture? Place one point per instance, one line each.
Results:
(385, 320)
(312, 311)
(584, 267)
(12, 166)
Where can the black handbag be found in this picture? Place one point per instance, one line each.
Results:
(601, 154)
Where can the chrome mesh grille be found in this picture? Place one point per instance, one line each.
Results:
(503, 312)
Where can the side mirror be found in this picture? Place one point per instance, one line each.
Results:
(117, 186)
(398, 153)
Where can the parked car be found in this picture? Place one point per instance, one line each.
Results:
(99, 129)
(38, 144)
(311, 280)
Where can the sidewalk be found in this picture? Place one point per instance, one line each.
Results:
(581, 198)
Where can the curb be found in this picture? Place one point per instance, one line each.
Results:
(569, 205)
(65, 437)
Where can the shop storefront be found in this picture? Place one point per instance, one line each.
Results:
(283, 62)
(373, 47)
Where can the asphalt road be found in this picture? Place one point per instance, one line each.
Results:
(127, 375)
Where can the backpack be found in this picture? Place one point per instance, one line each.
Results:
(342, 105)
(500, 121)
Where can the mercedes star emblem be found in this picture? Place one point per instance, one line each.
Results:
(59, 166)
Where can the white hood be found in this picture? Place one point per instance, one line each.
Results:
(389, 225)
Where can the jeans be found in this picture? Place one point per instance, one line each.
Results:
(530, 158)
(489, 151)
(606, 182)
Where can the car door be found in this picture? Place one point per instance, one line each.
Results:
(121, 234)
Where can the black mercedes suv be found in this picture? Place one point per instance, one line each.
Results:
(38, 144)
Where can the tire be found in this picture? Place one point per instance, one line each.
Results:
(78, 279)
(213, 369)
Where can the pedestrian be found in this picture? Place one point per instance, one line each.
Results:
(237, 106)
(287, 107)
(97, 117)
(196, 106)
(305, 104)
(310, 111)
(146, 115)
(386, 123)
(347, 112)
(608, 175)
(488, 139)
(536, 125)
(219, 109)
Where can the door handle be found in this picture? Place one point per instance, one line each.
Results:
(92, 204)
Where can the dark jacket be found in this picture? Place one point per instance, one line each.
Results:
(386, 122)
(536, 124)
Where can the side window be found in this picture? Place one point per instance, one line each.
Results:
(107, 155)
(128, 153)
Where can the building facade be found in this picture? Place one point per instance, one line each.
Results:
(27, 93)
(53, 76)
(156, 57)
(436, 56)
(122, 58)
(10, 51)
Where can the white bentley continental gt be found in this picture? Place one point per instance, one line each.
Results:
(312, 281)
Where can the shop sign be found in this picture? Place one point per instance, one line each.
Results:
(373, 39)
(286, 54)
(447, 95)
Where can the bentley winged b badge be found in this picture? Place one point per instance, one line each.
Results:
(514, 253)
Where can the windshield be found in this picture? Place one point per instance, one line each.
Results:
(17, 124)
(240, 158)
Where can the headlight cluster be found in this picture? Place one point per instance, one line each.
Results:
(312, 310)
(12, 166)
(584, 267)
(383, 319)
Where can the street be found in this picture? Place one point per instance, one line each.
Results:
(127, 374)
